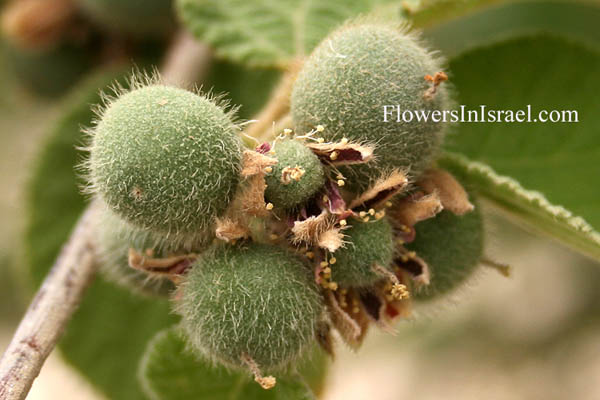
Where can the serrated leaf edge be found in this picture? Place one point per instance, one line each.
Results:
(534, 201)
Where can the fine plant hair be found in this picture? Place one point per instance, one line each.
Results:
(289, 191)
(344, 81)
(368, 244)
(115, 237)
(452, 247)
(252, 299)
(157, 192)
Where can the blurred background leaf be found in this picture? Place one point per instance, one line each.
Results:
(268, 32)
(169, 371)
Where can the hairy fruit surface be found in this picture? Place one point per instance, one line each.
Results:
(367, 244)
(250, 301)
(165, 159)
(350, 77)
(452, 247)
(297, 176)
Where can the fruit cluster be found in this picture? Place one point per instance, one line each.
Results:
(339, 222)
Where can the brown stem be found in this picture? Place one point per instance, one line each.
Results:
(48, 313)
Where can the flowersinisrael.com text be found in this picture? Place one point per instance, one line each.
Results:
(393, 113)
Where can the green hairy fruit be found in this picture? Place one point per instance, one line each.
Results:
(297, 176)
(165, 159)
(250, 300)
(114, 238)
(368, 244)
(137, 17)
(452, 247)
(345, 84)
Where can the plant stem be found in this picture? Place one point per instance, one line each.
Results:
(48, 313)
(186, 62)
(74, 269)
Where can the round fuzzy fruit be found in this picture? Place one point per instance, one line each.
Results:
(452, 246)
(297, 176)
(138, 17)
(165, 159)
(368, 243)
(350, 77)
(114, 237)
(250, 300)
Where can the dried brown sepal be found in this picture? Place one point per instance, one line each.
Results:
(382, 190)
(436, 80)
(172, 267)
(331, 239)
(255, 163)
(310, 230)
(451, 193)
(410, 262)
(251, 199)
(413, 209)
(266, 382)
(348, 316)
(228, 229)
(324, 338)
(37, 24)
(342, 153)
(333, 200)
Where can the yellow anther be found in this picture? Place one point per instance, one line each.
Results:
(310, 254)
(340, 182)
(268, 170)
(343, 222)
(271, 151)
(327, 270)
(344, 141)
(412, 254)
(332, 260)
(324, 264)
(355, 310)
(400, 291)
(371, 211)
(320, 128)
(362, 214)
(325, 199)
(366, 219)
(287, 131)
(269, 206)
(334, 155)
(273, 236)
(388, 204)
(321, 140)
(333, 286)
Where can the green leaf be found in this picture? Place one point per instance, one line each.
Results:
(169, 371)
(560, 160)
(248, 88)
(267, 32)
(498, 23)
(108, 334)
